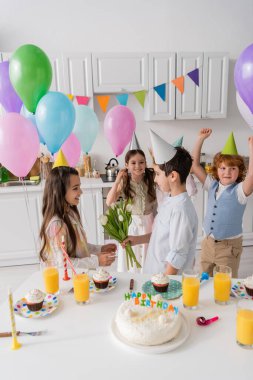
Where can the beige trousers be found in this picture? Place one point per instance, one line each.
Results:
(220, 252)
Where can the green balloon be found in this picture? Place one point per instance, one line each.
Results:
(30, 74)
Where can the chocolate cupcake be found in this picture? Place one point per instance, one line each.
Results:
(248, 284)
(101, 278)
(34, 300)
(160, 282)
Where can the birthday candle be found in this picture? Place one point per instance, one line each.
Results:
(15, 344)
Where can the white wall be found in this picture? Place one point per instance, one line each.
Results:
(139, 25)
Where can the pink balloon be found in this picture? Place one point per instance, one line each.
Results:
(71, 150)
(119, 126)
(19, 144)
(244, 110)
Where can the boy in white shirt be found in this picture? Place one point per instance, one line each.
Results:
(172, 243)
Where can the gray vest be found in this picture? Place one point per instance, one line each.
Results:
(224, 216)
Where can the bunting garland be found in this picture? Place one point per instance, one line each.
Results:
(179, 83)
(103, 101)
(122, 99)
(83, 100)
(70, 96)
(161, 91)
(194, 75)
(140, 96)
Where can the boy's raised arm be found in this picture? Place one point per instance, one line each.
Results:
(197, 169)
(248, 182)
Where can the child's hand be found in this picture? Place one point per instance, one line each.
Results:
(105, 259)
(204, 133)
(133, 240)
(121, 175)
(110, 248)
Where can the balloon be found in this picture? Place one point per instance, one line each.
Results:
(71, 149)
(119, 126)
(19, 144)
(244, 110)
(30, 116)
(243, 76)
(86, 127)
(55, 119)
(8, 97)
(30, 74)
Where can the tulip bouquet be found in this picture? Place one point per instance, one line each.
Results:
(116, 223)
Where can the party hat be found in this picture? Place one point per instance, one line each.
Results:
(134, 144)
(162, 151)
(230, 146)
(178, 142)
(60, 160)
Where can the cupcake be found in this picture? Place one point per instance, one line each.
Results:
(101, 278)
(248, 284)
(34, 300)
(160, 282)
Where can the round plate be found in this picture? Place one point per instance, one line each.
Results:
(174, 290)
(158, 349)
(239, 290)
(50, 304)
(111, 285)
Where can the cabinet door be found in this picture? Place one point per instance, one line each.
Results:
(120, 72)
(161, 70)
(199, 201)
(78, 75)
(215, 85)
(91, 207)
(188, 104)
(58, 75)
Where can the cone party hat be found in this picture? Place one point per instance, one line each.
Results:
(162, 151)
(134, 143)
(178, 142)
(230, 146)
(60, 160)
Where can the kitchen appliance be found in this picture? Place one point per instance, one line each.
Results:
(112, 168)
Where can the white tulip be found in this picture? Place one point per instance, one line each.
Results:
(121, 218)
(129, 208)
(103, 220)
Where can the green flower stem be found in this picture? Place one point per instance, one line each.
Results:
(130, 254)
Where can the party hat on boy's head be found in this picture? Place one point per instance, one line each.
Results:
(162, 151)
(134, 144)
(178, 142)
(230, 146)
(60, 160)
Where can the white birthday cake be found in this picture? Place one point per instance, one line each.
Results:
(148, 325)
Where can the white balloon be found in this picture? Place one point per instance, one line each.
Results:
(244, 110)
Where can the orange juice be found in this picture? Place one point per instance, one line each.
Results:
(244, 327)
(81, 287)
(191, 292)
(222, 286)
(51, 279)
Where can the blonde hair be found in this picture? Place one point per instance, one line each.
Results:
(228, 160)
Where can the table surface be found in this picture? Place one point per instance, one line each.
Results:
(79, 342)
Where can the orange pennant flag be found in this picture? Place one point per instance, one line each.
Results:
(70, 96)
(179, 83)
(103, 101)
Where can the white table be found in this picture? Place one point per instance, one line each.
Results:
(79, 343)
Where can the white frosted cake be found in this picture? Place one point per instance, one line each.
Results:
(147, 326)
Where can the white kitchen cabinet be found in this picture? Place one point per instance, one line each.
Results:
(162, 69)
(188, 104)
(119, 72)
(215, 85)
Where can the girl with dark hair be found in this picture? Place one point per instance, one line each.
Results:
(61, 218)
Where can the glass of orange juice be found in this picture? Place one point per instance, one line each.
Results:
(81, 285)
(244, 323)
(50, 275)
(191, 282)
(222, 284)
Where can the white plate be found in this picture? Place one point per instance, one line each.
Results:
(111, 285)
(158, 349)
(50, 304)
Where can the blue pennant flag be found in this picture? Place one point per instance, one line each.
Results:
(161, 91)
(122, 99)
(194, 75)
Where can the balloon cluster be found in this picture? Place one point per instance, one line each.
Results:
(35, 115)
(243, 76)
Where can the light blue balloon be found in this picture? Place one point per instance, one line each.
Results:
(31, 116)
(86, 127)
(55, 118)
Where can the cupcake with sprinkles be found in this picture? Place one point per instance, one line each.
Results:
(34, 300)
(248, 284)
(160, 282)
(101, 278)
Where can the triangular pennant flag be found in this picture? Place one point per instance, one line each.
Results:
(194, 75)
(83, 100)
(103, 101)
(179, 83)
(70, 96)
(122, 99)
(140, 96)
(60, 160)
(178, 142)
(161, 91)
(134, 143)
(230, 146)
(162, 151)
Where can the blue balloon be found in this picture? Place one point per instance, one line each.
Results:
(55, 118)
(86, 127)
(31, 116)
